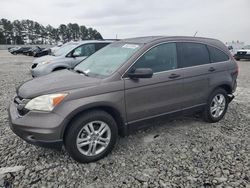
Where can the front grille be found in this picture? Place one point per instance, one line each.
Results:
(20, 104)
(241, 53)
(34, 65)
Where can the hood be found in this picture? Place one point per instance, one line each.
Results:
(244, 50)
(45, 58)
(58, 81)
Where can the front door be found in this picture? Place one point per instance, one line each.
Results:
(161, 94)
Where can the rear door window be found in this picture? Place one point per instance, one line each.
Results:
(217, 55)
(192, 54)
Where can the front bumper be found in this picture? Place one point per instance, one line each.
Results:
(40, 71)
(239, 56)
(42, 129)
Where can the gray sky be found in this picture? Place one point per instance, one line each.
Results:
(226, 20)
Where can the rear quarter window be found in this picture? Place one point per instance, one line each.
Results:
(217, 55)
(192, 54)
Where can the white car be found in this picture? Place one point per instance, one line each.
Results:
(66, 57)
(243, 53)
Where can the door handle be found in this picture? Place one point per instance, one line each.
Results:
(211, 69)
(173, 76)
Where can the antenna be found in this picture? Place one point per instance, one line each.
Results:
(195, 33)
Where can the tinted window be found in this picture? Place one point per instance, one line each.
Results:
(217, 55)
(192, 54)
(159, 58)
(98, 46)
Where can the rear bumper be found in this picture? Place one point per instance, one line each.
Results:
(37, 129)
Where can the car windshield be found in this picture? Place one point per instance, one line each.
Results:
(64, 49)
(107, 60)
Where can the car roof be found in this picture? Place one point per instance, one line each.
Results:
(149, 39)
(153, 39)
(89, 41)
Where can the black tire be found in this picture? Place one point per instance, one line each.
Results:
(237, 59)
(77, 125)
(207, 114)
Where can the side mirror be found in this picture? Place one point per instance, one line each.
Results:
(141, 73)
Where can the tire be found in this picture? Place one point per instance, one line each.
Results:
(78, 128)
(210, 114)
(237, 59)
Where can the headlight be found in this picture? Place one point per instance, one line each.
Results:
(43, 63)
(45, 102)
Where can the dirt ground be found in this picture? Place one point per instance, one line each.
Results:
(186, 152)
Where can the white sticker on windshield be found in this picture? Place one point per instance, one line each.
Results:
(131, 46)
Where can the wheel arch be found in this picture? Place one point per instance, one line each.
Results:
(227, 87)
(122, 128)
(59, 68)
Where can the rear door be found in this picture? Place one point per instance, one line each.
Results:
(193, 59)
(163, 93)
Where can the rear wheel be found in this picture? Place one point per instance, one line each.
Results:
(91, 136)
(216, 106)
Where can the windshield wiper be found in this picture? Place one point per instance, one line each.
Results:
(81, 72)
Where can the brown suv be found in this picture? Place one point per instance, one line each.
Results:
(124, 83)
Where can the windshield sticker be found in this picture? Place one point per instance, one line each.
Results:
(131, 46)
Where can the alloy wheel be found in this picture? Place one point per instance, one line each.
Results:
(93, 138)
(218, 105)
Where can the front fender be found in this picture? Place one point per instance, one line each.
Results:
(69, 109)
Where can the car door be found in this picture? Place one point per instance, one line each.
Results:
(163, 93)
(193, 59)
(82, 52)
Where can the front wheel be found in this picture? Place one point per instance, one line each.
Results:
(216, 106)
(91, 136)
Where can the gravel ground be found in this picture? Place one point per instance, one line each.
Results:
(186, 152)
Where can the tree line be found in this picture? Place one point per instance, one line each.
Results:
(31, 32)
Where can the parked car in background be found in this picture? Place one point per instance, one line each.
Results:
(53, 49)
(68, 56)
(32, 51)
(243, 53)
(19, 50)
(43, 52)
(13, 48)
(125, 83)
